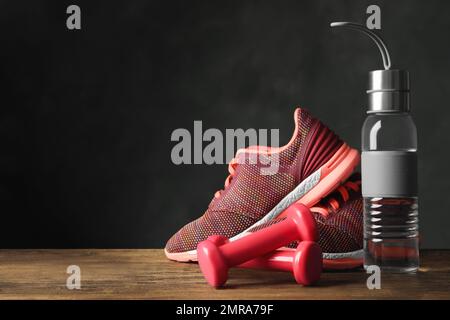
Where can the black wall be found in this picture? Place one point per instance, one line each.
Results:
(86, 116)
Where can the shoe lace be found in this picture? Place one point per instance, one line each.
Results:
(330, 202)
(232, 165)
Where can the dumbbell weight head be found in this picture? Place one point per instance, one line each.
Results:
(304, 220)
(212, 263)
(307, 263)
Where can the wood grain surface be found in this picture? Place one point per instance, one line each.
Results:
(147, 274)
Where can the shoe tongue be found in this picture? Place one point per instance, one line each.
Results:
(257, 149)
(245, 153)
(267, 149)
(297, 117)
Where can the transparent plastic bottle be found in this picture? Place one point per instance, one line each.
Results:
(388, 167)
(391, 225)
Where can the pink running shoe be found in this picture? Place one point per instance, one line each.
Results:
(310, 166)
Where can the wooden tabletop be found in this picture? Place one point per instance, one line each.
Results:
(147, 274)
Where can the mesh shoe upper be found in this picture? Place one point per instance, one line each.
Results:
(250, 195)
(339, 219)
(343, 230)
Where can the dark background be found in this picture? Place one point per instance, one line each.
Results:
(86, 116)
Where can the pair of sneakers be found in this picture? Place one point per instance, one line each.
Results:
(315, 168)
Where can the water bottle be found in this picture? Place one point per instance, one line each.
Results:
(389, 175)
(389, 168)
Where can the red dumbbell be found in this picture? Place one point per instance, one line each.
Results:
(215, 260)
(305, 262)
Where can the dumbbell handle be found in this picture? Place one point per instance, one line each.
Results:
(305, 263)
(278, 260)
